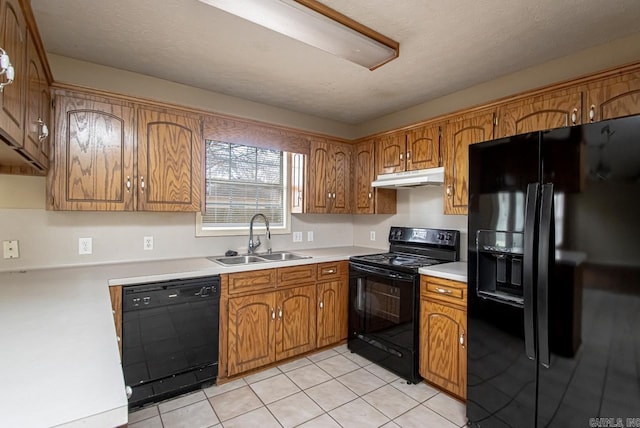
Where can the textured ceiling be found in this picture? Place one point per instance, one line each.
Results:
(445, 46)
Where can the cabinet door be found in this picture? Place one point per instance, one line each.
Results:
(93, 156)
(554, 110)
(613, 97)
(13, 39)
(251, 329)
(35, 141)
(340, 179)
(390, 153)
(296, 323)
(332, 312)
(170, 151)
(318, 178)
(368, 200)
(423, 147)
(470, 129)
(443, 359)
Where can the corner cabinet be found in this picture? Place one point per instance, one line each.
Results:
(329, 178)
(443, 334)
(97, 165)
(369, 200)
(459, 135)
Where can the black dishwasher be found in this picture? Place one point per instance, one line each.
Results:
(169, 337)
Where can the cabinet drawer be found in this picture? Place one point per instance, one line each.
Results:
(252, 281)
(332, 270)
(296, 275)
(444, 290)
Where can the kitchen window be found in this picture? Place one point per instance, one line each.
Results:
(241, 181)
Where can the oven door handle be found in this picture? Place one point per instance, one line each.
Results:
(382, 272)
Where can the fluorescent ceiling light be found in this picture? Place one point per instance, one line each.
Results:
(317, 25)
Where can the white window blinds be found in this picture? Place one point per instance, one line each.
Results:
(242, 181)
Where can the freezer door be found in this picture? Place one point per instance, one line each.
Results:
(501, 388)
(593, 290)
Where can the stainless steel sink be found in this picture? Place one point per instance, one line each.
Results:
(237, 260)
(282, 256)
(279, 256)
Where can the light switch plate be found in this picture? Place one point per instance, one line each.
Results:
(372, 235)
(297, 236)
(11, 250)
(310, 236)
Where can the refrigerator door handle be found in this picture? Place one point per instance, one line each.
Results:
(530, 220)
(546, 240)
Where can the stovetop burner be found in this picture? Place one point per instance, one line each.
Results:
(413, 248)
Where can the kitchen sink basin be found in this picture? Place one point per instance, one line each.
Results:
(279, 256)
(282, 256)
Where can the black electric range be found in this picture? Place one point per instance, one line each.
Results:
(383, 296)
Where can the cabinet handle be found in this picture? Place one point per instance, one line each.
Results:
(273, 314)
(574, 116)
(128, 183)
(443, 290)
(321, 304)
(142, 183)
(280, 313)
(462, 338)
(408, 155)
(401, 156)
(6, 68)
(592, 112)
(44, 129)
(370, 195)
(449, 191)
(329, 195)
(118, 339)
(334, 196)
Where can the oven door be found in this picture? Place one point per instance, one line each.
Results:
(383, 318)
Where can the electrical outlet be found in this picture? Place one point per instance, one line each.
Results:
(148, 243)
(85, 245)
(310, 236)
(372, 235)
(297, 236)
(11, 249)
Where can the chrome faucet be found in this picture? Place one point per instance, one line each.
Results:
(253, 245)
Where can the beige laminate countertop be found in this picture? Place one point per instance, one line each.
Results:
(59, 359)
(456, 271)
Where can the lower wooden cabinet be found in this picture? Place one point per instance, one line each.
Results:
(267, 327)
(443, 334)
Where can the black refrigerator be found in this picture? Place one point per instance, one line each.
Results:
(554, 278)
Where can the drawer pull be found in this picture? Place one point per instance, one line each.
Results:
(328, 271)
(443, 290)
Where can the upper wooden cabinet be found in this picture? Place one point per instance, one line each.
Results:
(170, 153)
(329, 178)
(369, 200)
(468, 129)
(547, 111)
(613, 97)
(417, 148)
(24, 104)
(95, 167)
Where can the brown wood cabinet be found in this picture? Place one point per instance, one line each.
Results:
(170, 153)
(93, 162)
(333, 302)
(550, 110)
(468, 129)
(417, 148)
(267, 327)
(24, 104)
(97, 166)
(613, 97)
(369, 200)
(443, 334)
(329, 178)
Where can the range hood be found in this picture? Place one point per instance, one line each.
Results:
(419, 177)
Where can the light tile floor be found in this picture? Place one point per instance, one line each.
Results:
(330, 389)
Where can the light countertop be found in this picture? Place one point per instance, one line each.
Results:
(456, 271)
(59, 359)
